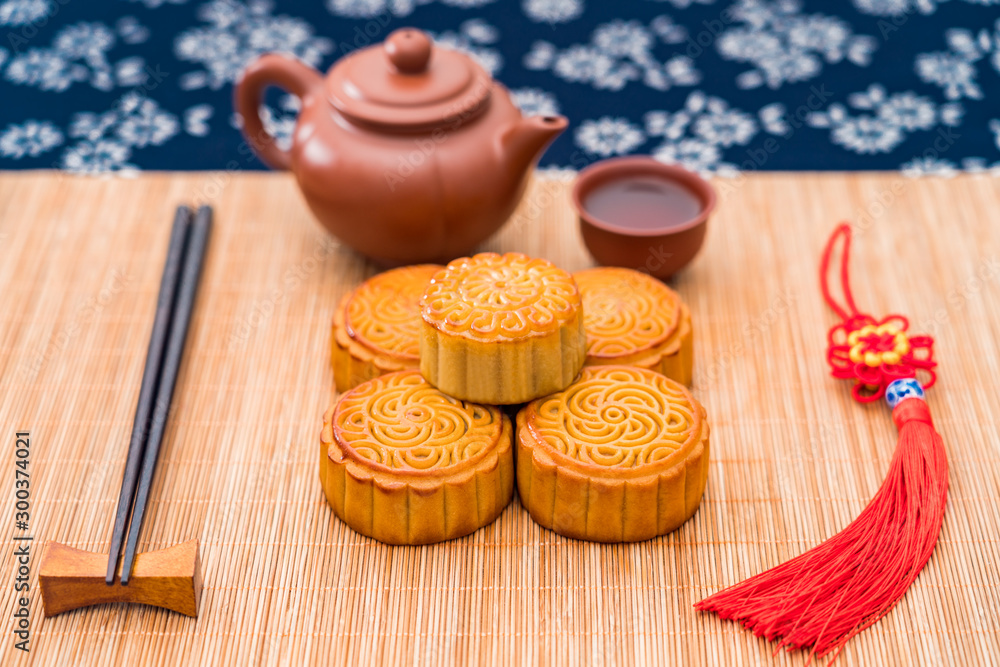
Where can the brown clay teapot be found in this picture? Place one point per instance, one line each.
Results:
(406, 151)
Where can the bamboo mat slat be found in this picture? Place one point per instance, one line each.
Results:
(793, 459)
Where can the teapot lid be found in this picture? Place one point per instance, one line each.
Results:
(408, 82)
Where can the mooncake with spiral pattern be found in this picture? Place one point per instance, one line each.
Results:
(501, 329)
(633, 319)
(406, 464)
(376, 328)
(620, 455)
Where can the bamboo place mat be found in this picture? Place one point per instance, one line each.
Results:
(793, 458)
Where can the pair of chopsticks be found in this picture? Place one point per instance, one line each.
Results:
(178, 287)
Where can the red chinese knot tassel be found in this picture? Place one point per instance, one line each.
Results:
(822, 598)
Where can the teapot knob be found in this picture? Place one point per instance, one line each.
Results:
(409, 50)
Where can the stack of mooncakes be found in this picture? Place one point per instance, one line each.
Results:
(608, 446)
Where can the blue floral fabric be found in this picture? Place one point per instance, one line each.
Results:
(715, 85)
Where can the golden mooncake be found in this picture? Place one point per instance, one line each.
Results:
(621, 455)
(405, 464)
(633, 319)
(376, 328)
(501, 329)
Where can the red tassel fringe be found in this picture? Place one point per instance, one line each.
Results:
(827, 595)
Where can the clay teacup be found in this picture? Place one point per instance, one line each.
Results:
(642, 214)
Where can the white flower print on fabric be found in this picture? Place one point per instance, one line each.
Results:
(953, 73)
(786, 46)
(928, 166)
(896, 7)
(363, 9)
(238, 33)
(84, 41)
(153, 4)
(474, 38)
(552, 11)
(609, 136)
(956, 70)
(902, 7)
(535, 102)
(98, 156)
(366, 9)
(693, 154)
(684, 4)
(145, 124)
(78, 53)
(105, 141)
(130, 72)
(866, 135)
(978, 165)
(773, 120)
(890, 119)
(196, 119)
(694, 136)
(619, 52)
(25, 12)
(31, 139)
(279, 123)
(131, 31)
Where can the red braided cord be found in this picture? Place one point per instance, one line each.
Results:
(842, 230)
(870, 379)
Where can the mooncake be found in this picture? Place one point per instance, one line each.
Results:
(501, 329)
(620, 455)
(405, 464)
(633, 319)
(376, 328)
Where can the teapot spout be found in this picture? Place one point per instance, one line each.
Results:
(523, 143)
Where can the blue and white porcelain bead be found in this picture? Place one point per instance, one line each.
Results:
(899, 390)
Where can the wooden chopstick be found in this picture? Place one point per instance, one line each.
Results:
(150, 380)
(194, 258)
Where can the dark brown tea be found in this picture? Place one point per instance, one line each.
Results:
(642, 202)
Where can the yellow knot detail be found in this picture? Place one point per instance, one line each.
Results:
(877, 345)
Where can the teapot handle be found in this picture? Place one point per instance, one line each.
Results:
(271, 69)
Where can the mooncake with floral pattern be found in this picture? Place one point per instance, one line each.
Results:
(620, 455)
(633, 319)
(406, 464)
(376, 328)
(501, 329)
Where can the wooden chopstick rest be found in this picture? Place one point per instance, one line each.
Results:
(72, 578)
(169, 578)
